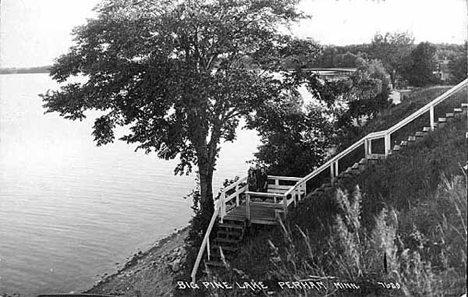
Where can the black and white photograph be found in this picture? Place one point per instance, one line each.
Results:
(233, 148)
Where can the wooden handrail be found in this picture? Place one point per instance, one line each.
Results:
(264, 194)
(224, 198)
(380, 134)
(221, 203)
(428, 106)
(288, 178)
(233, 185)
(206, 238)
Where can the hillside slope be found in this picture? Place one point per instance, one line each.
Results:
(397, 229)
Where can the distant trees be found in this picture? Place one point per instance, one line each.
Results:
(458, 64)
(14, 70)
(340, 56)
(391, 49)
(365, 94)
(420, 65)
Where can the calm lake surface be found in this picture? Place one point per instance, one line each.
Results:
(71, 211)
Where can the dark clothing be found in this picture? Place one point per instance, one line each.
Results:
(257, 180)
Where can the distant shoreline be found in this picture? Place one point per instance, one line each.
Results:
(25, 70)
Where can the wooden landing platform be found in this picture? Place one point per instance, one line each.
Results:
(260, 213)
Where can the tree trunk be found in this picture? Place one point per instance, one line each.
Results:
(205, 173)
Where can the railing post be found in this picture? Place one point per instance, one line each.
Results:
(222, 205)
(366, 149)
(237, 195)
(331, 173)
(387, 144)
(431, 117)
(285, 205)
(208, 249)
(247, 208)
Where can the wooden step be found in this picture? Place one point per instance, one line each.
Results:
(355, 166)
(353, 172)
(449, 115)
(227, 256)
(362, 161)
(227, 240)
(376, 157)
(442, 120)
(228, 253)
(228, 226)
(464, 105)
(315, 192)
(348, 174)
(235, 221)
(215, 248)
(396, 148)
(411, 138)
(420, 134)
(457, 110)
(229, 234)
(426, 129)
(214, 263)
(404, 143)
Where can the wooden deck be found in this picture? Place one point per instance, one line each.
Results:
(260, 213)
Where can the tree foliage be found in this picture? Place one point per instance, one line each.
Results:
(179, 74)
(420, 67)
(295, 139)
(365, 94)
(391, 49)
(458, 64)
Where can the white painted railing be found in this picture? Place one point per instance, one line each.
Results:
(333, 163)
(230, 197)
(206, 241)
(298, 190)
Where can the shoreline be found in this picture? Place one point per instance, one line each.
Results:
(148, 273)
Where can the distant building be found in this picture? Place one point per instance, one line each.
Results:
(399, 95)
(332, 73)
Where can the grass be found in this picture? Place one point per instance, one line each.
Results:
(401, 222)
(395, 114)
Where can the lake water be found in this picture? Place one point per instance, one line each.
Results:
(71, 211)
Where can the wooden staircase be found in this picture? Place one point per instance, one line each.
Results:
(228, 240)
(233, 210)
(361, 165)
(442, 121)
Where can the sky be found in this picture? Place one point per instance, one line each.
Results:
(35, 32)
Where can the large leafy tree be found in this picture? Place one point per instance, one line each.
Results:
(392, 49)
(179, 74)
(421, 65)
(365, 93)
(295, 138)
(458, 64)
